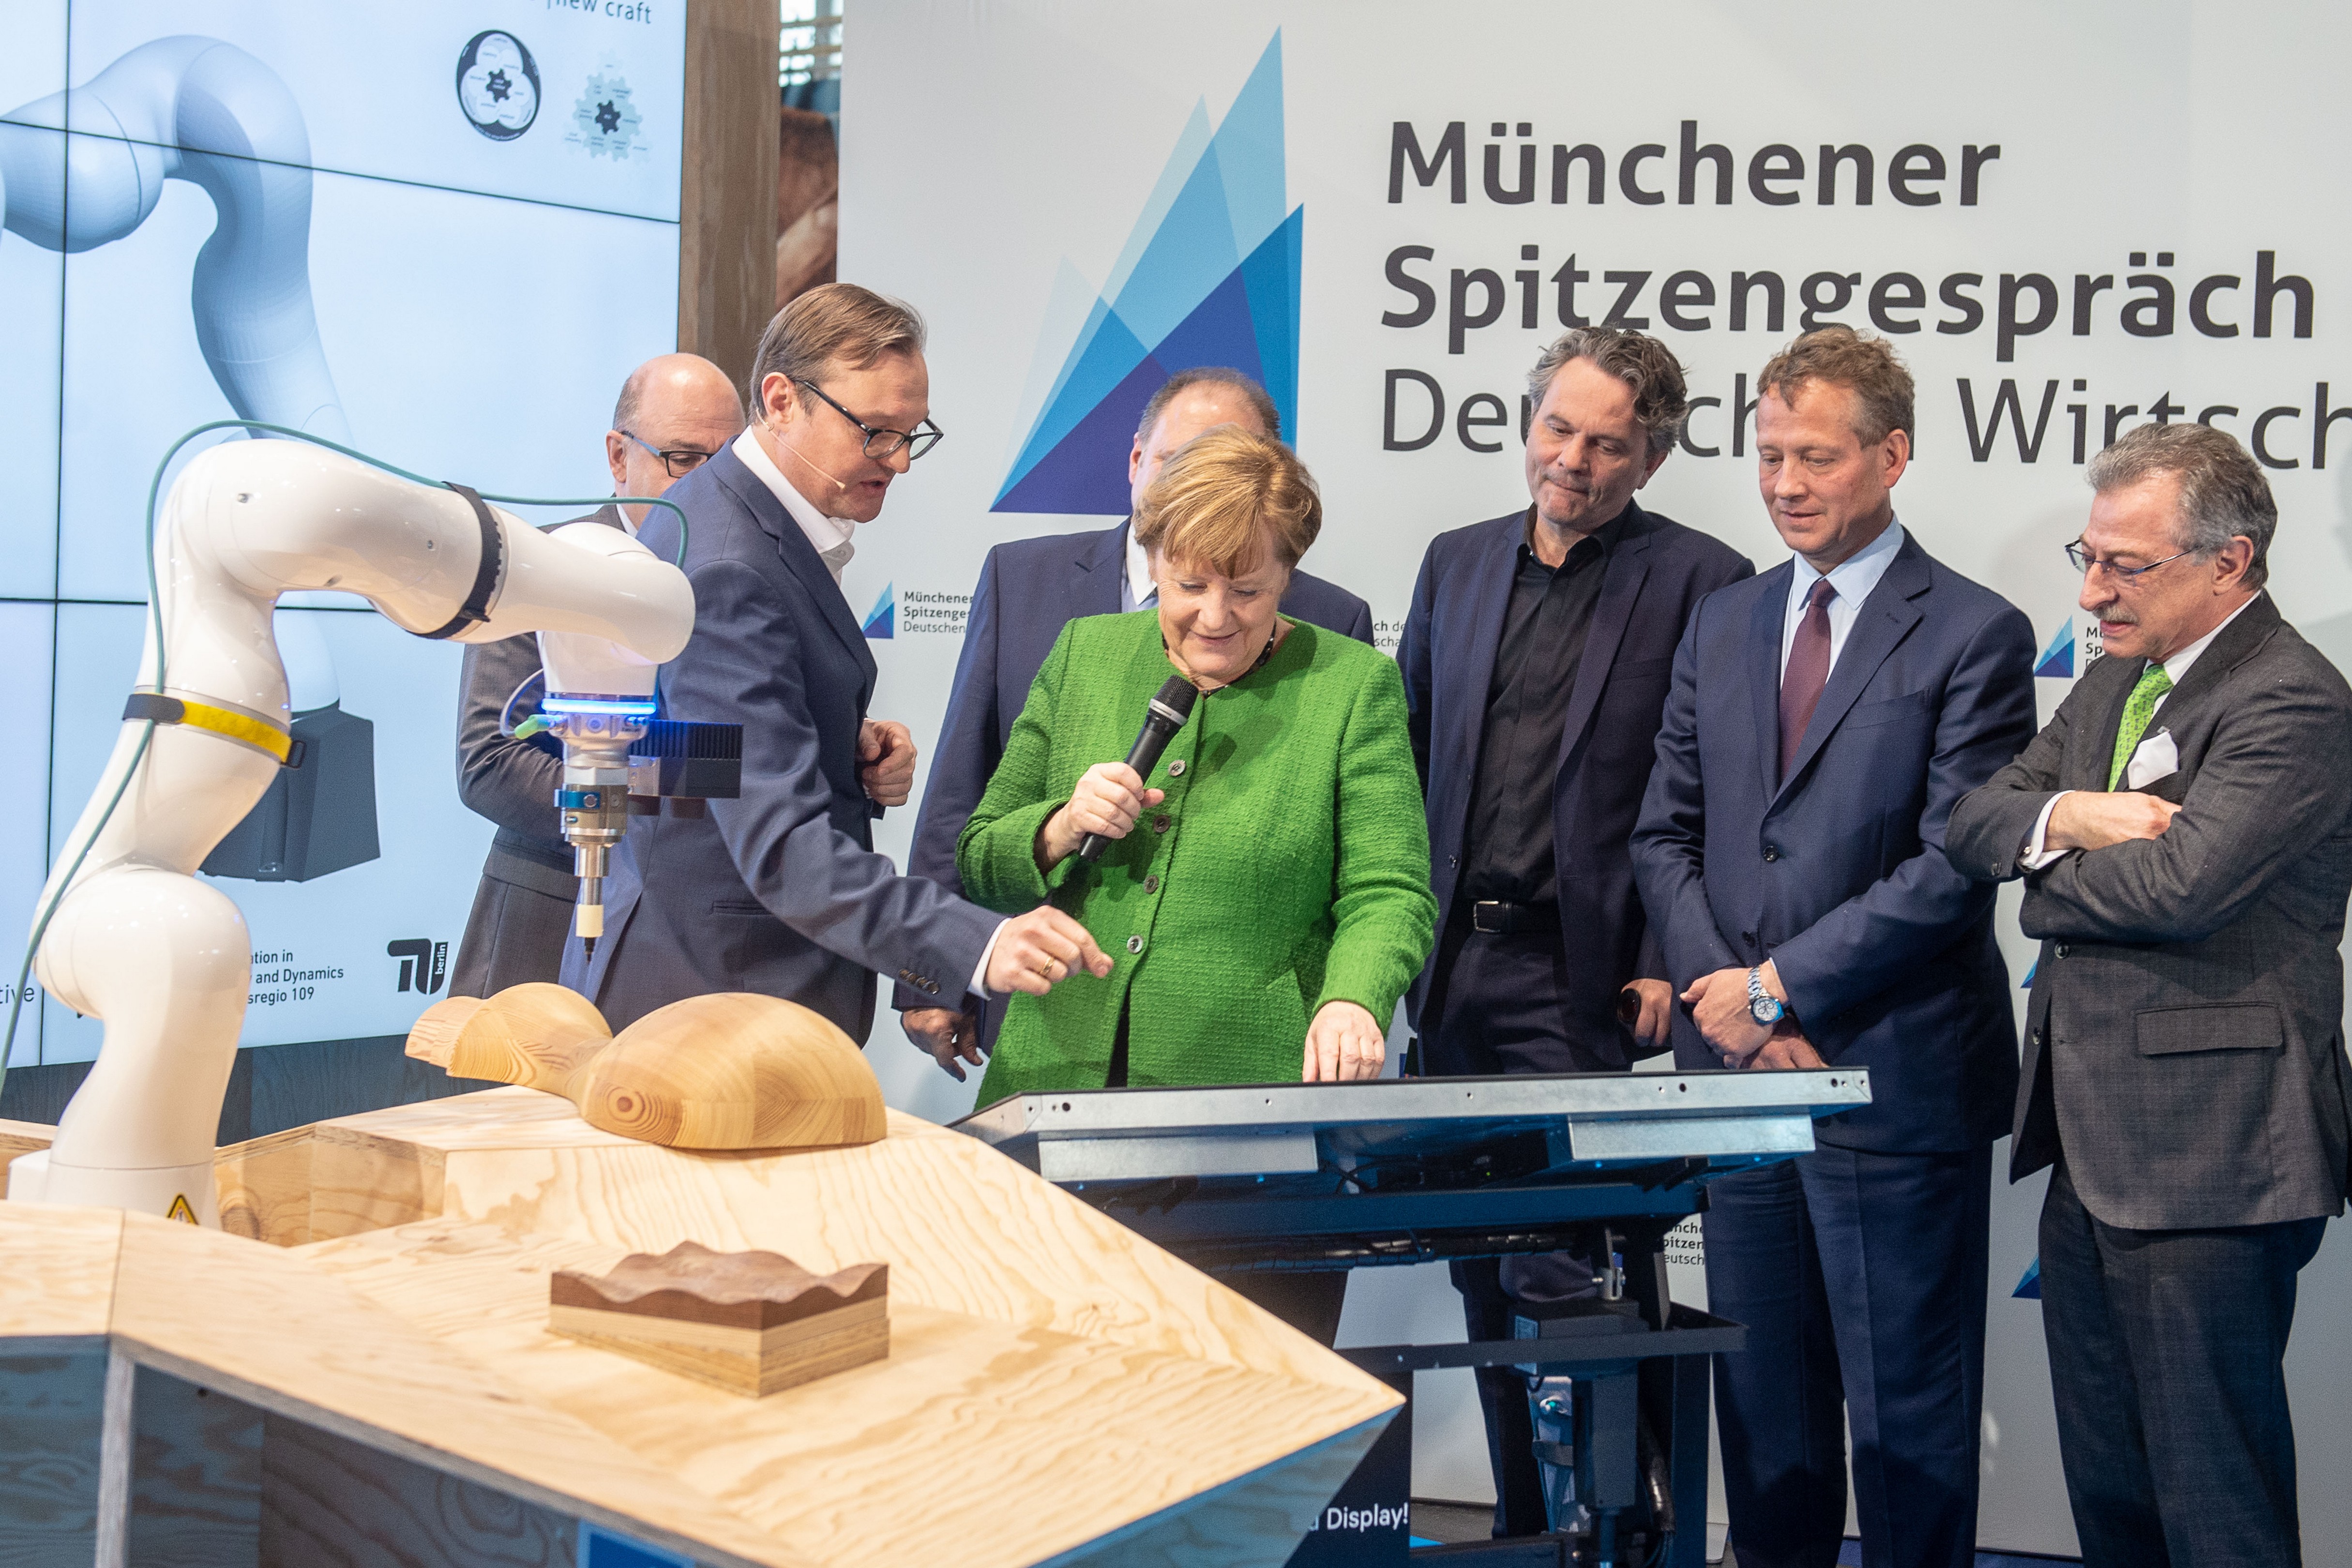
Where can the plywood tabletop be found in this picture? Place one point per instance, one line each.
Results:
(59, 1281)
(963, 1228)
(269, 1329)
(1057, 1387)
(976, 1442)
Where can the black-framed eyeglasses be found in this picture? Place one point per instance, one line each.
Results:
(881, 444)
(679, 460)
(2083, 561)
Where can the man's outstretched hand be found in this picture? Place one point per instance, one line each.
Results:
(1038, 951)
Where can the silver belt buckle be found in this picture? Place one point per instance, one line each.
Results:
(1489, 916)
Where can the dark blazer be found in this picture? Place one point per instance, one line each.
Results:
(2185, 1034)
(778, 892)
(1029, 590)
(1649, 586)
(522, 910)
(1837, 873)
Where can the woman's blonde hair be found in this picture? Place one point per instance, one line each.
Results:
(1224, 497)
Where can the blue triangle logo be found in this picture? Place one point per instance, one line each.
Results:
(2058, 659)
(1209, 276)
(2029, 1287)
(882, 620)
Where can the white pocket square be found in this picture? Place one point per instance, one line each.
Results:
(2156, 758)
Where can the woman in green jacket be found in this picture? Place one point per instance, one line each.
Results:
(1264, 899)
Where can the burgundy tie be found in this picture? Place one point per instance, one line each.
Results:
(1808, 672)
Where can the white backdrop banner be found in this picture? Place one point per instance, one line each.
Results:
(2069, 221)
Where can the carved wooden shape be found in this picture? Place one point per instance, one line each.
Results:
(751, 1323)
(434, 1036)
(535, 1035)
(730, 1070)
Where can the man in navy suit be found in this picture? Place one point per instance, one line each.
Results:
(1029, 590)
(780, 892)
(1535, 659)
(1824, 719)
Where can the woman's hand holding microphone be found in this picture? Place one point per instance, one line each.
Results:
(1109, 800)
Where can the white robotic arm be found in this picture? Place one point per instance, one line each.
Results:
(134, 938)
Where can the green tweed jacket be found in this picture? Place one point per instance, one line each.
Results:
(1287, 867)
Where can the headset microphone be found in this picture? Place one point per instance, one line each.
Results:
(838, 482)
(1161, 721)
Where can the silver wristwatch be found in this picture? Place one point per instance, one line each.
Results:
(1762, 1006)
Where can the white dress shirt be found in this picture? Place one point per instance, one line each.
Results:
(1853, 579)
(2175, 670)
(832, 537)
(1137, 591)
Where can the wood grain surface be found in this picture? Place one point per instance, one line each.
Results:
(195, 1476)
(21, 1138)
(740, 1289)
(52, 1411)
(58, 1281)
(754, 1362)
(327, 1502)
(732, 1071)
(263, 1187)
(976, 1442)
(1056, 1387)
(263, 1326)
(433, 1036)
(537, 1034)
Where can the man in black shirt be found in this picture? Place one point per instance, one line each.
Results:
(1536, 657)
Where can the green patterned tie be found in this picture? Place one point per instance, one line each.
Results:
(2153, 684)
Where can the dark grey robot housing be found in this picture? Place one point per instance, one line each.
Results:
(318, 815)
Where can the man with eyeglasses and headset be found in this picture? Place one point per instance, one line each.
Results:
(2184, 828)
(780, 892)
(674, 412)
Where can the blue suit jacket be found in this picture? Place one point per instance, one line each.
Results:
(1657, 576)
(1029, 590)
(778, 892)
(1837, 873)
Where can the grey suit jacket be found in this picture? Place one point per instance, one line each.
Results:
(523, 907)
(2184, 1040)
(778, 892)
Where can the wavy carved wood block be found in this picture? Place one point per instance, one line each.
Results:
(751, 1323)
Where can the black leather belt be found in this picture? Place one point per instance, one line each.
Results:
(1494, 917)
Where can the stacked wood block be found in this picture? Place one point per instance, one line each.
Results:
(752, 1322)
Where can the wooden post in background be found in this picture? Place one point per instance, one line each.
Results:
(727, 199)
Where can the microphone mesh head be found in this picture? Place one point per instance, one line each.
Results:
(1177, 695)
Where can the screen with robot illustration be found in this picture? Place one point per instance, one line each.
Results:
(442, 233)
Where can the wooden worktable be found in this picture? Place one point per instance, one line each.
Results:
(1058, 1390)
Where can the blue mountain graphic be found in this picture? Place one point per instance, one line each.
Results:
(1209, 276)
(2058, 658)
(882, 620)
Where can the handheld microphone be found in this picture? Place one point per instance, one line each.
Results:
(1166, 716)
